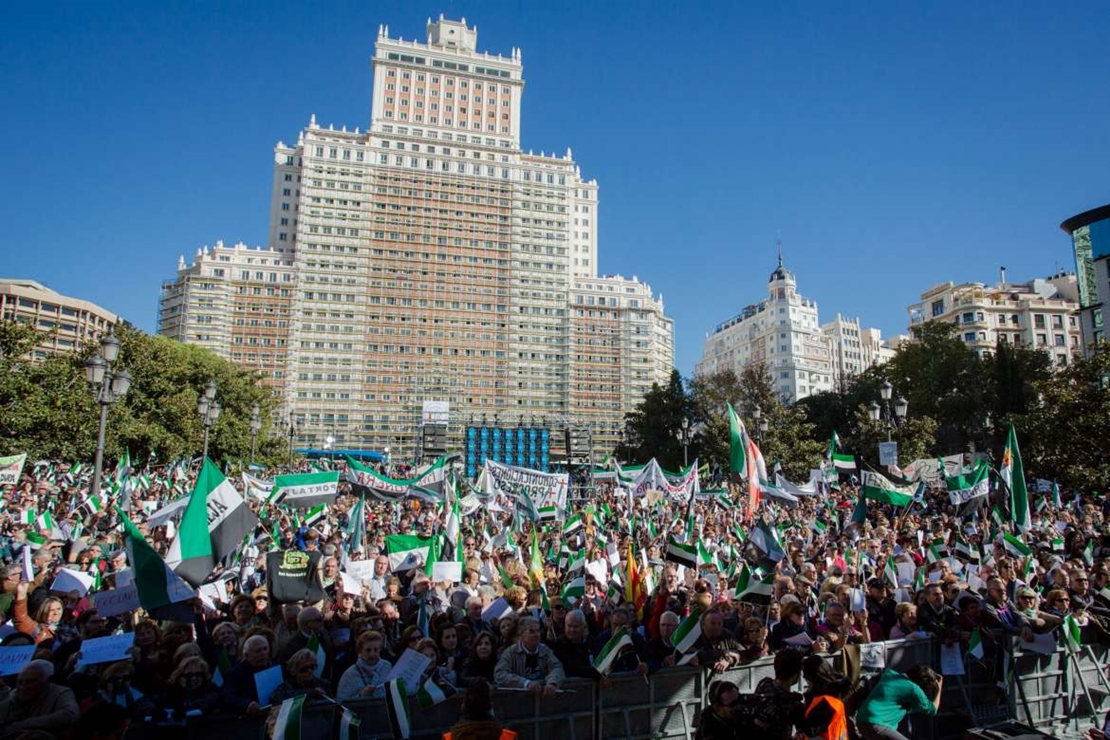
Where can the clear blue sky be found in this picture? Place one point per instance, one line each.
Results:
(893, 145)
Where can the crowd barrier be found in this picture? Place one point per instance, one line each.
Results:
(1046, 691)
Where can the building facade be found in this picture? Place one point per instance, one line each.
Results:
(620, 343)
(1040, 314)
(432, 258)
(1090, 238)
(853, 349)
(781, 332)
(236, 302)
(68, 322)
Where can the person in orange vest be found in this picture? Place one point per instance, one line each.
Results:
(825, 715)
(476, 722)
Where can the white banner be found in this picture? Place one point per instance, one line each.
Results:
(544, 489)
(116, 601)
(11, 468)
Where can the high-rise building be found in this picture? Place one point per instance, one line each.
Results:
(1039, 314)
(67, 322)
(1090, 238)
(433, 259)
(234, 301)
(853, 348)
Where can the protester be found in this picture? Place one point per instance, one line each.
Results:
(895, 696)
(38, 704)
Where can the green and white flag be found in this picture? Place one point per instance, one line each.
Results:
(305, 490)
(1013, 474)
(315, 515)
(975, 645)
(839, 460)
(753, 588)
(574, 589)
(223, 668)
(965, 487)
(256, 487)
(682, 553)
(288, 724)
(317, 649)
(11, 468)
(1089, 553)
(1073, 636)
(603, 662)
(573, 525)
(890, 572)
(877, 487)
(407, 551)
(432, 693)
(737, 457)
(688, 633)
(397, 707)
(1015, 546)
(348, 724)
(156, 583)
(214, 523)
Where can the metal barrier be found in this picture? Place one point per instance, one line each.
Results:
(665, 706)
(1051, 692)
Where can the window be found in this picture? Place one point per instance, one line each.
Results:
(938, 307)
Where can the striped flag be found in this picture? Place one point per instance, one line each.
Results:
(288, 724)
(348, 724)
(975, 645)
(397, 705)
(574, 589)
(753, 588)
(1015, 546)
(1013, 474)
(603, 662)
(737, 458)
(1073, 637)
(432, 693)
(317, 649)
(681, 553)
(574, 524)
(688, 633)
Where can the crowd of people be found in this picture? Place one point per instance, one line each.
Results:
(538, 603)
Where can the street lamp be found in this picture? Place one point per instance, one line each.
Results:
(761, 425)
(292, 434)
(891, 417)
(109, 385)
(208, 407)
(684, 437)
(256, 426)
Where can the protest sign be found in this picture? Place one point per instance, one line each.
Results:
(12, 659)
(105, 649)
(116, 601)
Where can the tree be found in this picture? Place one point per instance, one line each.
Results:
(1066, 433)
(50, 410)
(654, 428)
(789, 438)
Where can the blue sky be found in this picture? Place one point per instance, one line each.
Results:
(893, 145)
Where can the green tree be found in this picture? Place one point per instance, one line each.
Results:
(789, 438)
(1065, 435)
(50, 410)
(653, 428)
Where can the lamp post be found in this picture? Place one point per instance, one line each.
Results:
(292, 434)
(684, 437)
(761, 425)
(256, 427)
(884, 413)
(208, 407)
(109, 385)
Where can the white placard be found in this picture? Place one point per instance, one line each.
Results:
(599, 569)
(447, 572)
(905, 572)
(106, 649)
(116, 601)
(351, 585)
(409, 667)
(888, 453)
(72, 580)
(360, 570)
(872, 656)
(857, 602)
(1044, 644)
(265, 682)
(496, 609)
(12, 659)
(216, 592)
(951, 660)
(124, 577)
(801, 639)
